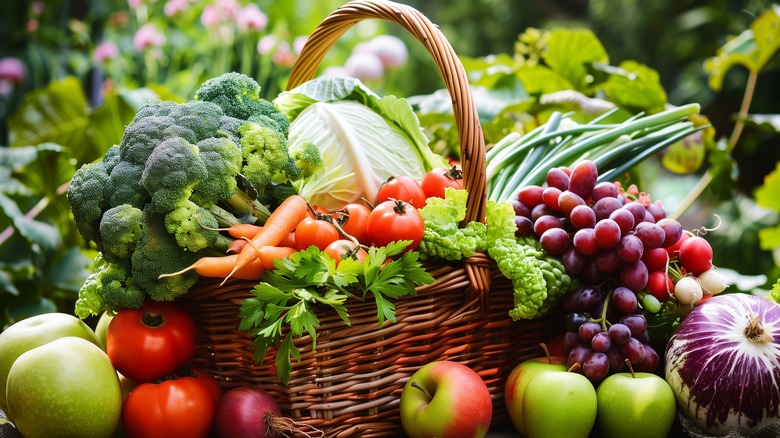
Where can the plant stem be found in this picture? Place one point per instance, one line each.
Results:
(736, 133)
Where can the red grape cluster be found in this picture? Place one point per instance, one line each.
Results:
(617, 243)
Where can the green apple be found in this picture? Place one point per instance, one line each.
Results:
(66, 388)
(33, 332)
(559, 404)
(101, 328)
(446, 399)
(641, 404)
(516, 382)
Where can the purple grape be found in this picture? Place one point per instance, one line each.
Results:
(616, 359)
(656, 211)
(557, 178)
(585, 242)
(589, 298)
(582, 216)
(619, 333)
(607, 233)
(573, 261)
(672, 231)
(633, 350)
(524, 226)
(624, 300)
(569, 301)
(555, 241)
(634, 276)
(530, 195)
(605, 206)
(541, 210)
(570, 340)
(596, 367)
(636, 209)
(588, 330)
(601, 342)
(624, 219)
(636, 322)
(591, 274)
(630, 249)
(574, 321)
(604, 189)
(550, 198)
(583, 178)
(650, 363)
(651, 235)
(568, 200)
(521, 209)
(577, 355)
(546, 222)
(608, 261)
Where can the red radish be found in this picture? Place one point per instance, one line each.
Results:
(696, 255)
(251, 411)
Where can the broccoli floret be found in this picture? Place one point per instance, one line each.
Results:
(223, 162)
(443, 237)
(196, 120)
(155, 108)
(538, 280)
(237, 94)
(193, 226)
(307, 157)
(142, 136)
(111, 158)
(158, 253)
(272, 118)
(120, 229)
(87, 198)
(124, 185)
(265, 153)
(107, 288)
(171, 173)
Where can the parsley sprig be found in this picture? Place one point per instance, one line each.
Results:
(283, 304)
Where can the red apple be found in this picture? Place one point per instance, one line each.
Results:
(518, 380)
(446, 398)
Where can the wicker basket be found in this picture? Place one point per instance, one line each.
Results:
(351, 385)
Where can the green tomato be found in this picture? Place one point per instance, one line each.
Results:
(66, 388)
(33, 332)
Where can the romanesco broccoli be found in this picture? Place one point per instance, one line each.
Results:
(443, 237)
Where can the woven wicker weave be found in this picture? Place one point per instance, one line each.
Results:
(351, 385)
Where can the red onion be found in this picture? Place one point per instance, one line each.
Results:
(723, 364)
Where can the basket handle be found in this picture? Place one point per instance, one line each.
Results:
(472, 142)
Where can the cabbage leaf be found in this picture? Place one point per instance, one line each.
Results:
(364, 139)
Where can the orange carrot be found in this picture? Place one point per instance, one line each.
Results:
(221, 266)
(241, 231)
(282, 221)
(268, 254)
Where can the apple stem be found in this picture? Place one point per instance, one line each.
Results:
(546, 351)
(415, 385)
(575, 367)
(630, 368)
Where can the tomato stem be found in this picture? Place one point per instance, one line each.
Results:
(152, 319)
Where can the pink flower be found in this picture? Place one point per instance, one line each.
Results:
(134, 4)
(267, 44)
(390, 49)
(12, 72)
(252, 18)
(37, 7)
(284, 56)
(219, 12)
(365, 66)
(148, 36)
(173, 7)
(105, 51)
(298, 43)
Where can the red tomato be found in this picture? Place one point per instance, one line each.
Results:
(210, 382)
(317, 232)
(345, 248)
(150, 342)
(391, 221)
(402, 188)
(352, 219)
(437, 180)
(175, 408)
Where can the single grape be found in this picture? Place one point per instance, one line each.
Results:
(568, 200)
(591, 274)
(651, 361)
(585, 241)
(575, 320)
(588, 330)
(630, 249)
(657, 211)
(605, 206)
(545, 222)
(634, 276)
(557, 178)
(672, 231)
(573, 262)
(651, 304)
(604, 189)
(583, 178)
(651, 235)
(589, 298)
(619, 333)
(636, 322)
(570, 340)
(531, 196)
(624, 219)
(596, 367)
(524, 226)
(582, 216)
(569, 301)
(601, 342)
(624, 300)
(541, 210)
(633, 350)
(550, 198)
(607, 233)
(616, 359)
(636, 209)
(578, 355)
(607, 261)
(555, 241)
(521, 209)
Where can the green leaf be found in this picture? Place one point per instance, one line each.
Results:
(766, 122)
(43, 237)
(538, 79)
(569, 51)
(635, 85)
(769, 238)
(385, 310)
(283, 358)
(752, 49)
(57, 113)
(768, 195)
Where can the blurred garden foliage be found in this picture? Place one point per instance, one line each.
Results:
(73, 73)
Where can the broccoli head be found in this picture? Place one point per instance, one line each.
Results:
(171, 173)
(193, 226)
(107, 288)
(142, 136)
(265, 153)
(239, 96)
(223, 162)
(120, 229)
(307, 157)
(158, 253)
(87, 198)
(124, 185)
